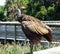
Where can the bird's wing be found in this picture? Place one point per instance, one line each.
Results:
(44, 25)
(27, 17)
(34, 27)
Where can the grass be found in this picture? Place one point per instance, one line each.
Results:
(13, 49)
(18, 49)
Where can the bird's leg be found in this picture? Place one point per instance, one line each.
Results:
(50, 44)
(35, 47)
(31, 48)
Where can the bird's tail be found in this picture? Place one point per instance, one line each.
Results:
(48, 37)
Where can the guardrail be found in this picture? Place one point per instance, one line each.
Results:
(7, 25)
(52, 23)
(15, 24)
(18, 23)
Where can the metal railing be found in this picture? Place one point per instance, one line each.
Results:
(6, 27)
(15, 24)
(52, 23)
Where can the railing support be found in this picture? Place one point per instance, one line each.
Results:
(15, 34)
(5, 34)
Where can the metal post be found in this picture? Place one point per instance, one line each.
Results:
(5, 34)
(15, 34)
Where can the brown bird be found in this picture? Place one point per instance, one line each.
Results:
(34, 29)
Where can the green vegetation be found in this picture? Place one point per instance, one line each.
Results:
(18, 49)
(42, 9)
(13, 49)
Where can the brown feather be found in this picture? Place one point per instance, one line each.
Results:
(34, 29)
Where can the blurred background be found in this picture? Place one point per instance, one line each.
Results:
(42, 9)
